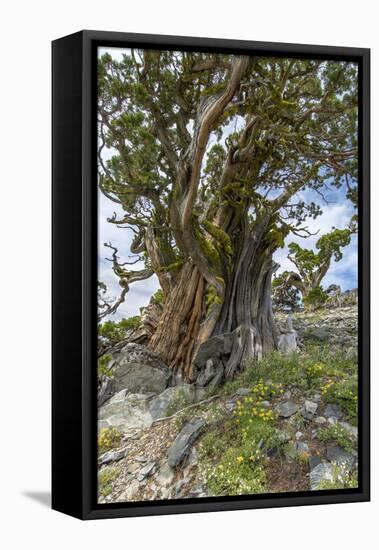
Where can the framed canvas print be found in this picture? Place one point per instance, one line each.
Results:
(210, 274)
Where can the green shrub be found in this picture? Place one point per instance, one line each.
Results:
(315, 298)
(105, 478)
(339, 435)
(157, 298)
(111, 332)
(238, 473)
(342, 478)
(345, 393)
(177, 403)
(108, 439)
(102, 366)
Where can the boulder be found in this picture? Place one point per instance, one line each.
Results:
(124, 411)
(146, 471)
(286, 409)
(140, 370)
(215, 347)
(160, 404)
(309, 409)
(181, 446)
(287, 342)
(333, 410)
(314, 461)
(340, 456)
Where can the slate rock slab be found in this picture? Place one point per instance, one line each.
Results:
(111, 456)
(184, 440)
(287, 409)
(309, 409)
(314, 461)
(333, 410)
(146, 471)
(340, 456)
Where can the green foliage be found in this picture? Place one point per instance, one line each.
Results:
(108, 438)
(294, 125)
(345, 393)
(178, 403)
(315, 298)
(341, 479)
(105, 478)
(331, 243)
(112, 332)
(157, 297)
(211, 297)
(102, 366)
(313, 266)
(337, 434)
(238, 473)
(220, 236)
(232, 453)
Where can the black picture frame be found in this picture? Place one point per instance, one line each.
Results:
(74, 206)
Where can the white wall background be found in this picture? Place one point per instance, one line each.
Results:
(27, 29)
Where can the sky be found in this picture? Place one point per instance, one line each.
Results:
(337, 213)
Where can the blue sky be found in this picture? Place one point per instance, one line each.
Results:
(337, 213)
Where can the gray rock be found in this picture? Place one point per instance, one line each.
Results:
(146, 471)
(318, 334)
(340, 456)
(333, 410)
(180, 486)
(309, 409)
(125, 411)
(207, 374)
(159, 405)
(165, 475)
(111, 456)
(287, 342)
(286, 409)
(317, 397)
(314, 461)
(265, 404)
(301, 447)
(298, 435)
(217, 346)
(322, 472)
(140, 370)
(332, 420)
(184, 440)
(320, 420)
(287, 394)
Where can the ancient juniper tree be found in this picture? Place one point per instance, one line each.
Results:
(212, 157)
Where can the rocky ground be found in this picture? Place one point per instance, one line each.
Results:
(286, 424)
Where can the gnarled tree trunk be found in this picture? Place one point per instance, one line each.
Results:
(246, 310)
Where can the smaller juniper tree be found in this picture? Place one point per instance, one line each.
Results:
(312, 266)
